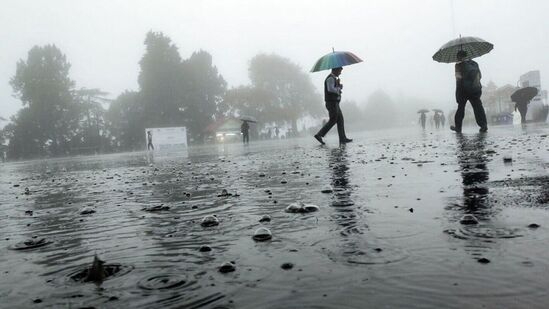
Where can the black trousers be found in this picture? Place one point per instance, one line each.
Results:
(478, 109)
(245, 138)
(523, 109)
(150, 145)
(336, 117)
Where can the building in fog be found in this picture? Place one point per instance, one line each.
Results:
(497, 103)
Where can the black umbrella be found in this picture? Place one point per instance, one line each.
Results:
(423, 110)
(524, 95)
(475, 47)
(248, 118)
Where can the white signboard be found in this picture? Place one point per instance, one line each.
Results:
(166, 138)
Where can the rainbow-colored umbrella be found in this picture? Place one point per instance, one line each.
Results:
(335, 59)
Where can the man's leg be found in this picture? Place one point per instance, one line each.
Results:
(332, 108)
(460, 113)
(340, 125)
(480, 115)
(523, 109)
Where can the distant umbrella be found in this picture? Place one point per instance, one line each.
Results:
(248, 118)
(475, 47)
(437, 110)
(335, 59)
(524, 95)
(3, 119)
(423, 111)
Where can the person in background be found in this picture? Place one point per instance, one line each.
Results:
(422, 119)
(436, 118)
(245, 129)
(442, 119)
(150, 141)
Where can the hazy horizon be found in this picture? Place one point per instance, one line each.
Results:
(103, 40)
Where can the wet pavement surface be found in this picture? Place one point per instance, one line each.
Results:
(400, 218)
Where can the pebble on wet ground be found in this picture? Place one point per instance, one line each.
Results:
(483, 261)
(205, 248)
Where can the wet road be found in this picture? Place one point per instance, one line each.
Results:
(388, 231)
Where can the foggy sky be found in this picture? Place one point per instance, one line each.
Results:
(103, 40)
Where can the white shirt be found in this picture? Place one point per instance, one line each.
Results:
(331, 84)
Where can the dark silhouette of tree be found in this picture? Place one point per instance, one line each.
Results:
(160, 81)
(124, 120)
(42, 83)
(280, 89)
(176, 92)
(250, 101)
(204, 91)
(90, 133)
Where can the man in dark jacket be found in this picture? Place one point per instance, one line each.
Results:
(332, 97)
(468, 88)
(245, 130)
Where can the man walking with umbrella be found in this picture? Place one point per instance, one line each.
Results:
(332, 97)
(468, 88)
(522, 98)
(334, 61)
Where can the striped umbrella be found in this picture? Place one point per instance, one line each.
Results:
(475, 47)
(335, 59)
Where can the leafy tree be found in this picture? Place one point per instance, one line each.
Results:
(42, 83)
(160, 81)
(89, 131)
(250, 101)
(124, 121)
(204, 91)
(287, 92)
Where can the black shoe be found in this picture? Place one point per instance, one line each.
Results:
(319, 139)
(453, 128)
(483, 130)
(345, 141)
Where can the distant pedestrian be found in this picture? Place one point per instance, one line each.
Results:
(150, 141)
(422, 119)
(523, 109)
(277, 131)
(442, 119)
(468, 88)
(245, 130)
(436, 118)
(332, 97)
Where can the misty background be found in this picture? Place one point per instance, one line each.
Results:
(104, 43)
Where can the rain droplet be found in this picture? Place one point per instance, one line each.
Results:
(209, 220)
(468, 220)
(262, 234)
